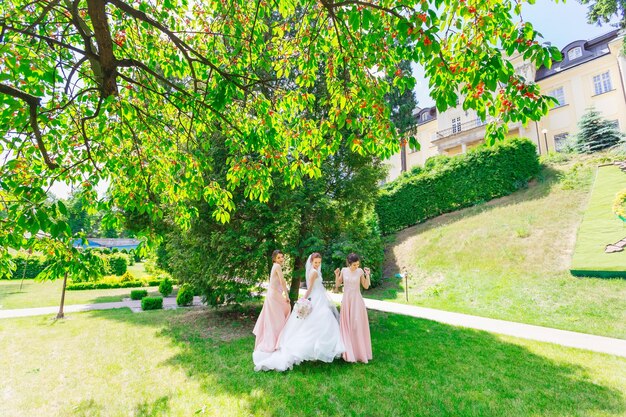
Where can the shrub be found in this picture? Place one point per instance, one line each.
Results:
(152, 303)
(166, 287)
(28, 266)
(119, 264)
(619, 205)
(127, 276)
(436, 161)
(135, 255)
(103, 284)
(480, 175)
(138, 294)
(185, 295)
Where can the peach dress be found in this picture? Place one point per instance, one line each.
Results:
(353, 321)
(273, 315)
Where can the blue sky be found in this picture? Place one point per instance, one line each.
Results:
(559, 23)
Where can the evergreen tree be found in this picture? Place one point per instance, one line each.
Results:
(402, 104)
(596, 133)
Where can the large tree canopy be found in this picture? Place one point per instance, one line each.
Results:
(133, 91)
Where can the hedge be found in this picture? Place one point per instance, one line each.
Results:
(151, 303)
(138, 294)
(462, 181)
(28, 266)
(98, 285)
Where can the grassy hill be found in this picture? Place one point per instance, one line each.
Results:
(510, 258)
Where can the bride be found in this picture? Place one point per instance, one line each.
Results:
(314, 337)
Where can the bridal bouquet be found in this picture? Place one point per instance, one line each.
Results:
(303, 308)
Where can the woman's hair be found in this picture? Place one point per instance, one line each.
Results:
(275, 254)
(315, 255)
(352, 258)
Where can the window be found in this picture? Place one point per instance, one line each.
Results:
(574, 53)
(558, 94)
(480, 122)
(456, 125)
(602, 83)
(424, 116)
(560, 141)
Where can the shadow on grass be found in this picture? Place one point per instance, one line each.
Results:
(420, 368)
(391, 286)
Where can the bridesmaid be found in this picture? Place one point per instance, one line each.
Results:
(276, 308)
(355, 328)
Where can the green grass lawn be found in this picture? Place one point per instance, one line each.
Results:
(510, 259)
(601, 227)
(48, 293)
(199, 362)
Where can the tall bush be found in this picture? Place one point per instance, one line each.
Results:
(480, 175)
(118, 263)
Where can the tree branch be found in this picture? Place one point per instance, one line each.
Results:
(33, 103)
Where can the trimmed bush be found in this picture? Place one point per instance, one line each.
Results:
(127, 277)
(462, 181)
(138, 294)
(119, 264)
(152, 303)
(185, 295)
(166, 287)
(98, 285)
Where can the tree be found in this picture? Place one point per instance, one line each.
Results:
(402, 102)
(603, 11)
(78, 218)
(331, 214)
(596, 133)
(133, 93)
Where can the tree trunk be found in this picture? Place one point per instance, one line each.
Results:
(296, 277)
(61, 315)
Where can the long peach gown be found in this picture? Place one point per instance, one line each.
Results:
(273, 315)
(353, 321)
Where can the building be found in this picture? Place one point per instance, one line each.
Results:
(108, 243)
(591, 74)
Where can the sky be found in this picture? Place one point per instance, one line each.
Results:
(559, 23)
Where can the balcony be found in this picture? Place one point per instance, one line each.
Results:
(460, 128)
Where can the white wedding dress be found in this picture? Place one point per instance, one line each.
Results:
(314, 338)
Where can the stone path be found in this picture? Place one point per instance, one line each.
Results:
(169, 303)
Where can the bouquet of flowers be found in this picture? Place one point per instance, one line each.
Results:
(303, 308)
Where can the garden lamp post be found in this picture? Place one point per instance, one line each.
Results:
(545, 138)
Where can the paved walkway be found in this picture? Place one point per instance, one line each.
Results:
(169, 303)
(524, 331)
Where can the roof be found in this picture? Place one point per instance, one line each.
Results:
(430, 111)
(110, 242)
(591, 49)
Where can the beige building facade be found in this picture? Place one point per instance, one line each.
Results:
(591, 74)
